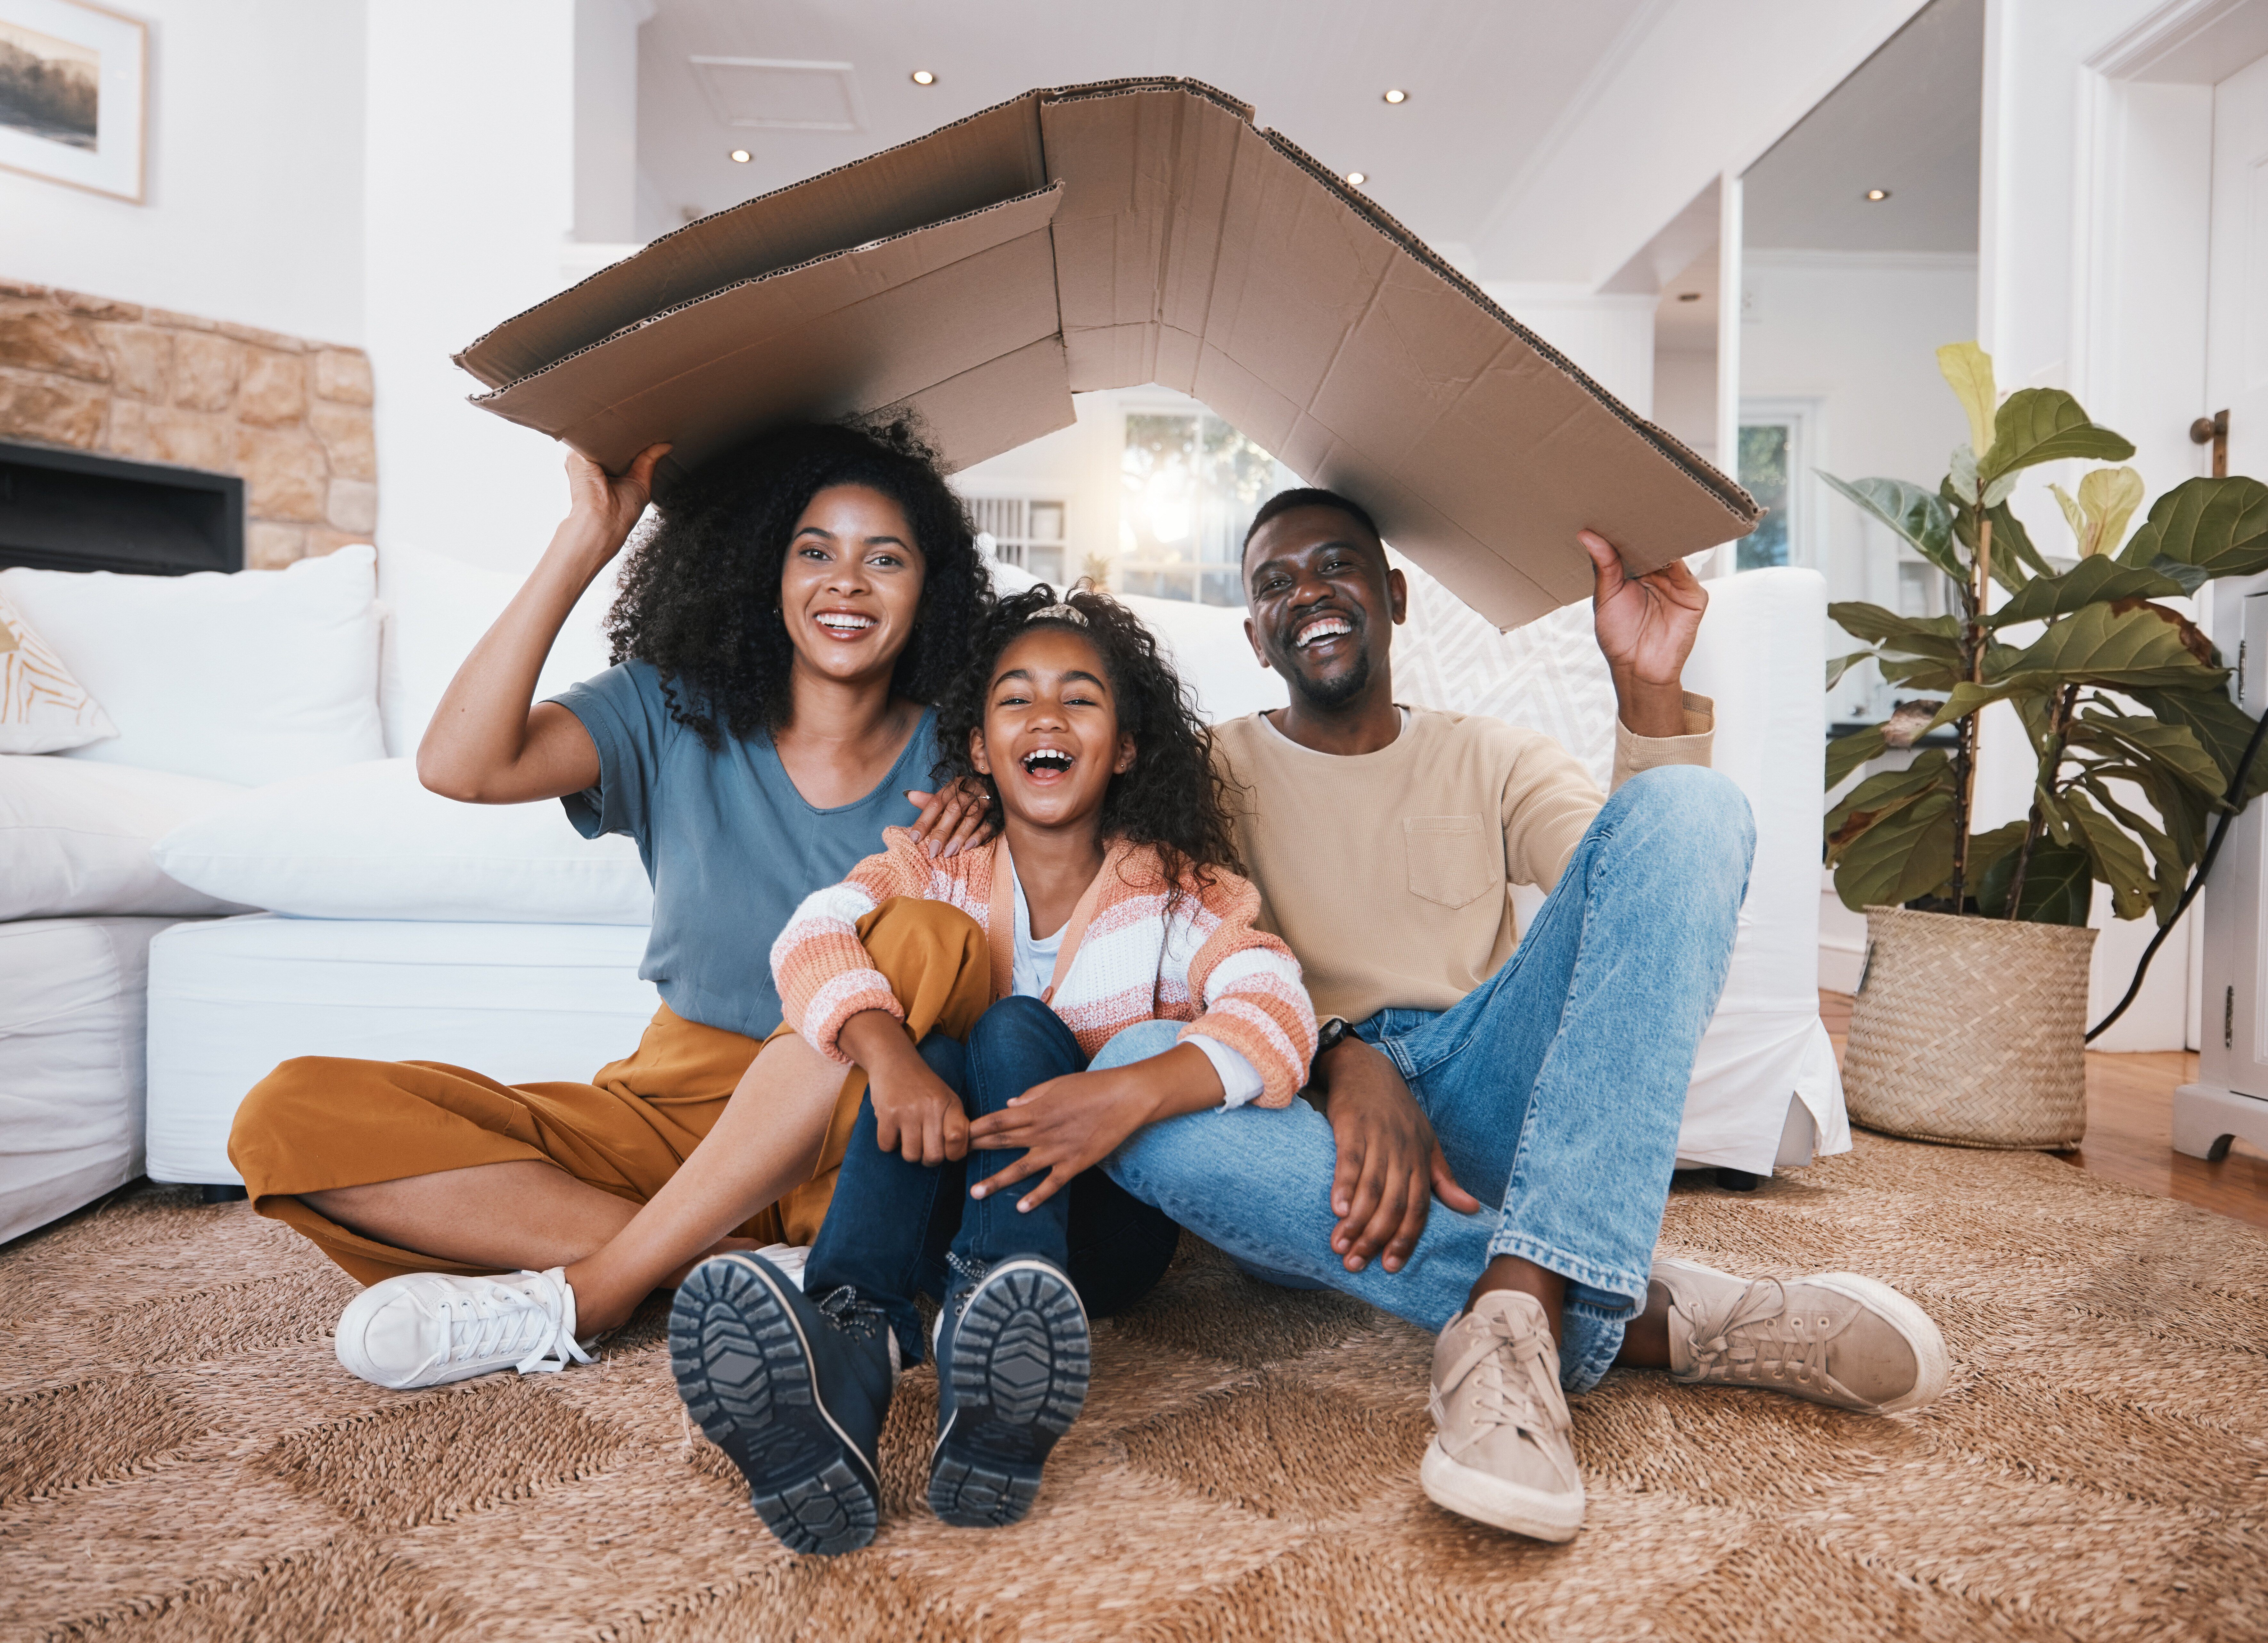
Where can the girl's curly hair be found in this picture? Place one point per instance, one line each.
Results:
(700, 597)
(1173, 798)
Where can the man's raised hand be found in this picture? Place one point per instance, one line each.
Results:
(1645, 626)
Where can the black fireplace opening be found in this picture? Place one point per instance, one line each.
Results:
(74, 510)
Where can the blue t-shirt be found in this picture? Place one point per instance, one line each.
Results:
(732, 847)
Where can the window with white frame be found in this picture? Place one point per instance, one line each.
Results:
(1026, 530)
(1778, 452)
(1189, 486)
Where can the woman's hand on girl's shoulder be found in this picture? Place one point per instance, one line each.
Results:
(957, 817)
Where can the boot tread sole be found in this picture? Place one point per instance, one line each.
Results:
(744, 1370)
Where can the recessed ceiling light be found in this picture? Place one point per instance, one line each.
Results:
(741, 157)
(1689, 296)
(1397, 96)
(923, 77)
(1875, 196)
(1357, 178)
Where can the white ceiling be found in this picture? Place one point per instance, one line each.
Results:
(1487, 79)
(1909, 120)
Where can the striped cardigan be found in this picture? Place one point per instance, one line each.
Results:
(1124, 958)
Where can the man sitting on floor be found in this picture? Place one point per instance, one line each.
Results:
(1547, 1071)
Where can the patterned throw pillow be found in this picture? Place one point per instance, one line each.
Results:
(43, 709)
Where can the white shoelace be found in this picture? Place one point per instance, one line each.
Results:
(534, 1319)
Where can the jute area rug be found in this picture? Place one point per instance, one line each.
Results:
(183, 1457)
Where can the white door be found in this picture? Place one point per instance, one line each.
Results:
(2236, 345)
(2235, 1015)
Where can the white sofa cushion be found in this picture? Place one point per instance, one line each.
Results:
(437, 608)
(74, 839)
(42, 708)
(249, 678)
(71, 1062)
(367, 841)
(229, 1000)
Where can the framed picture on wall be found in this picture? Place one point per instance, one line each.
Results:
(74, 94)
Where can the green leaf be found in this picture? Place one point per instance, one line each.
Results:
(1847, 753)
(2118, 860)
(1908, 854)
(2153, 743)
(2008, 532)
(1838, 666)
(2167, 869)
(1934, 636)
(2222, 728)
(2037, 425)
(2220, 526)
(1968, 371)
(2091, 580)
(1920, 518)
(2058, 884)
(1927, 674)
(2096, 645)
(1875, 797)
(2073, 515)
(1963, 699)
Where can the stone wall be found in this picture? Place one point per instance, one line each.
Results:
(292, 418)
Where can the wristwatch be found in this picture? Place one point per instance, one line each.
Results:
(1327, 1037)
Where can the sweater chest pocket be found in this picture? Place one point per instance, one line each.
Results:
(1452, 859)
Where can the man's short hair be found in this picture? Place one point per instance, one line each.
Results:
(1311, 497)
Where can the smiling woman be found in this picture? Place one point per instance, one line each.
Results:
(780, 634)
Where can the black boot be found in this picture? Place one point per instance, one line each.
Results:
(794, 1393)
(1012, 1360)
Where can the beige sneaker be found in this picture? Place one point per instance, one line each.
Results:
(1501, 1454)
(1834, 1337)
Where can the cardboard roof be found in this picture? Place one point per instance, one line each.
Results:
(1109, 235)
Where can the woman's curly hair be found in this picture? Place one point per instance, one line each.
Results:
(1172, 799)
(700, 597)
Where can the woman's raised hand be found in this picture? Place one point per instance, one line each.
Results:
(957, 817)
(607, 505)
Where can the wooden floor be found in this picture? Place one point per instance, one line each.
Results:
(2129, 1106)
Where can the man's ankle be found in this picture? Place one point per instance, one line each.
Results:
(1510, 1271)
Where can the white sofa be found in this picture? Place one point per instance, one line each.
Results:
(499, 940)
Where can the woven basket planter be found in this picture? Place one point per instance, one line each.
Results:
(1970, 1032)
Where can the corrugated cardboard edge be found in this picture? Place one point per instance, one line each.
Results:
(468, 357)
(1737, 503)
(499, 389)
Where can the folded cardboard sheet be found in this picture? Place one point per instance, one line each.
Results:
(1109, 235)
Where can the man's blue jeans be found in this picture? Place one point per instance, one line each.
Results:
(892, 1223)
(1557, 1087)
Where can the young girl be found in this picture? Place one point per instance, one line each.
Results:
(1131, 986)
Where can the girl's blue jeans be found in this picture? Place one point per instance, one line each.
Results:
(1556, 1088)
(892, 1224)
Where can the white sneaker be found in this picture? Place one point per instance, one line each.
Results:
(426, 1329)
(1501, 1454)
(788, 1259)
(1833, 1338)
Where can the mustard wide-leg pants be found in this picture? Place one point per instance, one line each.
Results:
(320, 1122)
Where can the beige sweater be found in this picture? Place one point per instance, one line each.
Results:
(1390, 873)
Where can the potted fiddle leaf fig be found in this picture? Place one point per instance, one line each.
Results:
(1971, 1021)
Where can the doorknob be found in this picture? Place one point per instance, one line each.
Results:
(2213, 431)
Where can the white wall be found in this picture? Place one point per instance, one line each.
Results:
(470, 198)
(253, 197)
(1610, 336)
(1707, 87)
(1857, 334)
